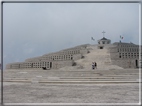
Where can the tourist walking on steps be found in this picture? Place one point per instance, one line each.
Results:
(95, 65)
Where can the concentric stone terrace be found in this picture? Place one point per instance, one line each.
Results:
(117, 55)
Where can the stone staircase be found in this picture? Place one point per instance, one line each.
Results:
(80, 76)
(101, 56)
(82, 73)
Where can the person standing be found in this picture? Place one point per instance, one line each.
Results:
(95, 65)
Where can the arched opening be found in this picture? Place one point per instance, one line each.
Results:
(32, 65)
(136, 63)
(50, 64)
(101, 47)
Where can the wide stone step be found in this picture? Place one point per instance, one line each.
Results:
(59, 78)
(72, 82)
(85, 82)
(72, 73)
(80, 77)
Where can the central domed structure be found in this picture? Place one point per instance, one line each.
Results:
(104, 41)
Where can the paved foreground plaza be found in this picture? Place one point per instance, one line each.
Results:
(51, 86)
(65, 93)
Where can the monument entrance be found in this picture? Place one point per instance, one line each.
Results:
(101, 47)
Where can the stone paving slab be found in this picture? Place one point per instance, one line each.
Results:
(66, 93)
(44, 86)
(53, 73)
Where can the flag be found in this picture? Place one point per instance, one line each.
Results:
(121, 37)
(92, 38)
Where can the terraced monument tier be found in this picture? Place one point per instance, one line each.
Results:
(108, 56)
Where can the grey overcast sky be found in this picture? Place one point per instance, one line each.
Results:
(34, 29)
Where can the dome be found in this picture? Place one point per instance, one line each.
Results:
(104, 41)
(104, 38)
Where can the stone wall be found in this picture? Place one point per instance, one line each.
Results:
(125, 55)
(8, 66)
(33, 59)
(127, 63)
(52, 60)
(60, 64)
(77, 56)
(13, 65)
(84, 51)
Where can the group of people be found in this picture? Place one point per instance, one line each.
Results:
(94, 65)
